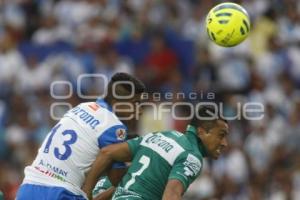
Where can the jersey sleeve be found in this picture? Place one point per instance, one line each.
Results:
(134, 145)
(186, 169)
(102, 185)
(113, 135)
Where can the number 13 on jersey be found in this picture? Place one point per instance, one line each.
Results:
(60, 154)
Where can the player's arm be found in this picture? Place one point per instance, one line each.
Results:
(184, 171)
(174, 190)
(113, 135)
(116, 174)
(116, 152)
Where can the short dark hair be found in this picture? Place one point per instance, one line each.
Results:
(204, 112)
(137, 86)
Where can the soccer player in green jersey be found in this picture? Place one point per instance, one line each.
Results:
(165, 163)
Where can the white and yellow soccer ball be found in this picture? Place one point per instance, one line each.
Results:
(227, 24)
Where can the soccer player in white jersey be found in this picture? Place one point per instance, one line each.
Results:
(71, 147)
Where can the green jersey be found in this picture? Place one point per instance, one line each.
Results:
(157, 158)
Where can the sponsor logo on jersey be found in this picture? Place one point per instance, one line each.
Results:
(121, 134)
(159, 141)
(53, 168)
(50, 174)
(166, 147)
(192, 165)
(85, 117)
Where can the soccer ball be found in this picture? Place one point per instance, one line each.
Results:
(227, 24)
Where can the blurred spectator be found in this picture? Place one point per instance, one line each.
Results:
(160, 61)
(11, 62)
(33, 76)
(92, 33)
(50, 32)
(204, 73)
(71, 13)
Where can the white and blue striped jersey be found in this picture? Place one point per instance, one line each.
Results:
(72, 145)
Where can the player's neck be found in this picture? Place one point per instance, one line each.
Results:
(191, 134)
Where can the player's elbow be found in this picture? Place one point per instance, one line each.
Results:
(172, 194)
(174, 190)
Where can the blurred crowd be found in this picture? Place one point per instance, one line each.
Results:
(164, 43)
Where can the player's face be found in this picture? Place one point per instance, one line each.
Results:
(215, 139)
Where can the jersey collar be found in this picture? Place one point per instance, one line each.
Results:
(104, 104)
(192, 136)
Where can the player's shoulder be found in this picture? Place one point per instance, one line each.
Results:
(192, 155)
(110, 128)
(172, 136)
(175, 135)
(108, 121)
(104, 114)
(179, 138)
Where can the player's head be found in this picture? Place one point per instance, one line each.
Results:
(212, 130)
(123, 92)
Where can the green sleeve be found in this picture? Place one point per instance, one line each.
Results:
(186, 168)
(134, 145)
(102, 185)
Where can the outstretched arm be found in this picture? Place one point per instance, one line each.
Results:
(174, 190)
(116, 152)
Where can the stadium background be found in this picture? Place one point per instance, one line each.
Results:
(164, 43)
